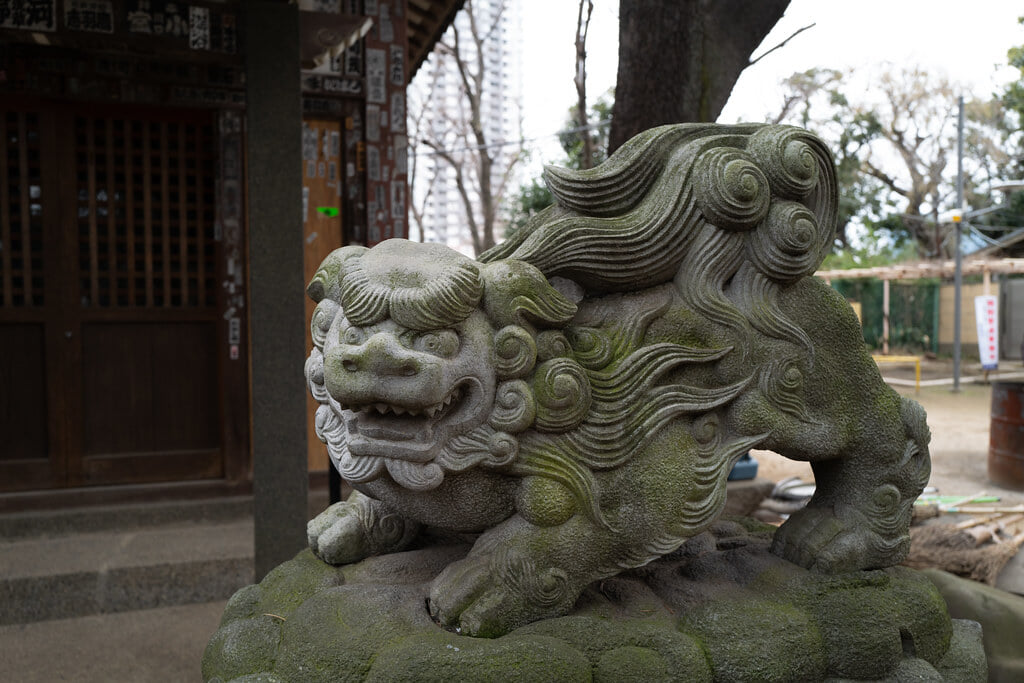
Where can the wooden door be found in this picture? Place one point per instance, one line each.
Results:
(322, 172)
(31, 451)
(109, 323)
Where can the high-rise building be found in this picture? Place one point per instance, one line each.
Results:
(440, 121)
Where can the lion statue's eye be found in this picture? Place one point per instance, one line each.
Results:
(440, 343)
(353, 335)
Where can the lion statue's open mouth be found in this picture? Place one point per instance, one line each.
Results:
(409, 431)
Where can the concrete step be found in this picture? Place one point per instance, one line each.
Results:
(83, 561)
(96, 572)
(125, 517)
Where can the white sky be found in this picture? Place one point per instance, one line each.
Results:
(966, 41)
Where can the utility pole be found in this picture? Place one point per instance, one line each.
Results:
(958, 278)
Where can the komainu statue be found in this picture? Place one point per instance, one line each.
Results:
(578, 395)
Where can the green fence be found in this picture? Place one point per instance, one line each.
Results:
(913, 312)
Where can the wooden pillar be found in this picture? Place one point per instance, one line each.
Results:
(274, 155)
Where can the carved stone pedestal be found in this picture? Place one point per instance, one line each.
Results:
(721, 608)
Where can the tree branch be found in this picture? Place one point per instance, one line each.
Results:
(782, 44)
(460, 185)
(886, 179)
(582, 28)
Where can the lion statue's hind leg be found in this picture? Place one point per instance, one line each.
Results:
(860, 514)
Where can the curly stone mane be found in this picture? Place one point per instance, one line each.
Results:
(739, 213)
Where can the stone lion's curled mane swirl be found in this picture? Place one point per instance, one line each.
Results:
(739, 211)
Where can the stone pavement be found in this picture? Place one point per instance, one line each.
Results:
(58, 577)
(155, 645)
(120, 593)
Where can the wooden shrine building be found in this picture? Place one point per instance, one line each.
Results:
(160, 163)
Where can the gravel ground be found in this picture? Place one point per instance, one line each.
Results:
(959, 424)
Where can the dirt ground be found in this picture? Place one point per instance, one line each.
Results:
(959, 424)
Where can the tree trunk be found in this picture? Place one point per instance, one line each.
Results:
(679, 59)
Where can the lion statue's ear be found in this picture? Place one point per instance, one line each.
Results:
(326, 284)
(516, 293)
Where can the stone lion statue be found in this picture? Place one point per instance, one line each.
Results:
(577, 396)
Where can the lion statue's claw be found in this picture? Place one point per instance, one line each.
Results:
(357, 528)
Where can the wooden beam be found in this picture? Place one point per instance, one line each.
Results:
(422, 37)
(927, 269)
(420, 17)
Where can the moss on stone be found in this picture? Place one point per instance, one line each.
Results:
(442, 656)
(596, 637)
(925, 625)
(243, 604)
(753, 526)
(242, 647)
(544, 502)
(290, 584)
(257, 678)
(336, 635)
(632, 663)
(1001, 615)
(860, 635)
(721, 608)
(913, 669)
(758, 640)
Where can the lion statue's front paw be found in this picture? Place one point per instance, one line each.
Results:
(491, 593)
(357, 528)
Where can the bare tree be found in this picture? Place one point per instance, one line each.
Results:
(582, 27)
(800, 91)
(419, 102)
(458, 135)
(895, 147)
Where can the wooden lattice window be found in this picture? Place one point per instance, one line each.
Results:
(146, 212)
(21, 211)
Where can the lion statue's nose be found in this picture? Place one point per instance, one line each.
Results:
(381, 355)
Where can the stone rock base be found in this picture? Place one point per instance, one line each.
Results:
(721, 608)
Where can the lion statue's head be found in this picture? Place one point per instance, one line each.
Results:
(419, 359)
